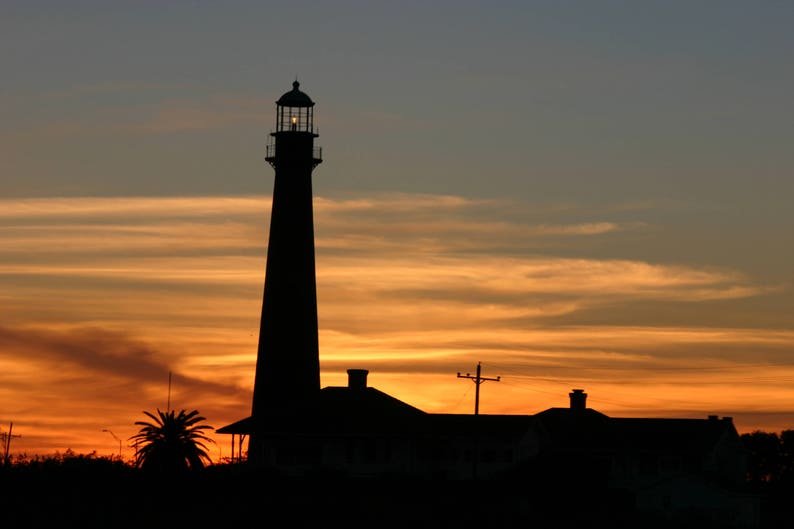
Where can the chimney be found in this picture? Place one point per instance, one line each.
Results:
(578, 399)
(357, 378)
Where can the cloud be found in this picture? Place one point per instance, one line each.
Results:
(593, 228)
(132, 209)
(427, 223)
(74, 378)
(197, 115)
(414, 255)
(140, 114)
(101, 297)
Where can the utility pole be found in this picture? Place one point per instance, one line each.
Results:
(478, 379)
(7, 441)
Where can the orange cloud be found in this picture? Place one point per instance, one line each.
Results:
(102, 297)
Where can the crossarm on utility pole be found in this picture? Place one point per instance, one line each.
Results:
(478, 379)
(6, 439)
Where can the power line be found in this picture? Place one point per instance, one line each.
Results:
(655, 368)
(463, 396)
(729, 371)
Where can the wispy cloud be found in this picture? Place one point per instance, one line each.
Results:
(593, 228)
(76, 381)
(196, 115)
(101, 297)
(104, 208)
(145, 116)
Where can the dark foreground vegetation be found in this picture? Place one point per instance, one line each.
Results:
(88, 491)
(770, 474)
(94, 492)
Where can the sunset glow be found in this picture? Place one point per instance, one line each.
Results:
(102, 298)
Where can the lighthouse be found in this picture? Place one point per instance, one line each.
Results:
(287, 362)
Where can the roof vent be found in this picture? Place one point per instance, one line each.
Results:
(357, 378)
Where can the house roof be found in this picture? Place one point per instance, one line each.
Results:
(335, 409)
(566, 429)
(672, 436)
(366, 411)
(340, 400)
(345, 410)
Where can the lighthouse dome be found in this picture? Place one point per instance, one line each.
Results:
(295, 98)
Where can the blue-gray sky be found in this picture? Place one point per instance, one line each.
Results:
(687, 104)
(562, 137)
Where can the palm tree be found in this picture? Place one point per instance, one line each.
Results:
(172, 443)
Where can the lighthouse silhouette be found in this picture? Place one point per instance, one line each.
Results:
(295, 425)
(288, 364)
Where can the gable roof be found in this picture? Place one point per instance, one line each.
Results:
(362, 411)
(361, 402)
(334, 410)
(672, 436)
(566, 429)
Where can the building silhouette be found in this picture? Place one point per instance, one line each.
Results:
(297, 428)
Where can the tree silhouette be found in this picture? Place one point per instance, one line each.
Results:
(172, 443)
(765, 458)
(787, 455)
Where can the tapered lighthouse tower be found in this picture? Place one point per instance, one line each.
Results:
(288, 363)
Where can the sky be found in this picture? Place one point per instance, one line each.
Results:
(576, 194)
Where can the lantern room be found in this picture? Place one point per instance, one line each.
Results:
(295, 111)
(293, 140)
